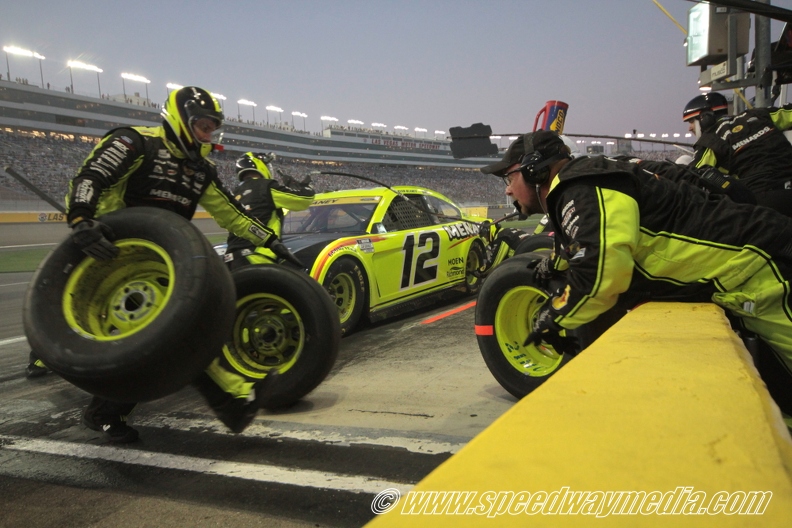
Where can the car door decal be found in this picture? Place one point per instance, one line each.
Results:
(424, 271)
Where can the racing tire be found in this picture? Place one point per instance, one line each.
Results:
(286, 321)
(474, 263)
(345, 281)
(141, 325)
(539, 243)
(505, 311)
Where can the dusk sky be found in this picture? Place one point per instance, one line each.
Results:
(434, 64)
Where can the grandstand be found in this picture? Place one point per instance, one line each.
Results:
(47, 134)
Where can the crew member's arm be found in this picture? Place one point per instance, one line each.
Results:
(229, 214)
(294, 198)
(93, 190)
(599, 228)
(782, 117)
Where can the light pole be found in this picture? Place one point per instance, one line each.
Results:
(379, 125)
(274, 109)
(417, 129)
(133, 77)
(299, 114)
(14, 50)
(173, 86)
(247, 103)
(442, 133)
(329, 119)
(354, 122)
(82, 66)
(221, 98)
(399, 127)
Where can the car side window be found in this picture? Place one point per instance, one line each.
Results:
(403, 215)
(446, 212)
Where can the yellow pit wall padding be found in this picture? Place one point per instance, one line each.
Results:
(667, 402)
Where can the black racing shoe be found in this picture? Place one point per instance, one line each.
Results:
(36, 368)
(236, 413)
(116, 429)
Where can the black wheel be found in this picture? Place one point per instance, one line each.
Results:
(345, 281)
(137, 327)
(473, 263)
(286, 321)
(505, 311)
(540, 243)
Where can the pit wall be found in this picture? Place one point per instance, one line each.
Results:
(663, 421)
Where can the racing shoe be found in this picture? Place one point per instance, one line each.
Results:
(36, 368)
(115, 429)
(236, 413)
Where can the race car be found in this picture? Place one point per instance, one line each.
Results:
(384, 251)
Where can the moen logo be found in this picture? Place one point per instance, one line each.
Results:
(460, 231)
(456, 260)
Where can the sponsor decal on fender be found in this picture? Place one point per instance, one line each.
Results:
(460, 230)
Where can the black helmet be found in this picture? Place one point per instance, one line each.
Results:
(707, 107)
(254, 161)
(182, 111)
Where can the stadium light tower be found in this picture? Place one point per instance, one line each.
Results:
(133, 77)
(399, 127)
(14, 50)
(274, 109)
(221, 98)
(245, 102)
(173, 86)
(329, 119)
(418, 129)
(82, 66)
(299, 114)
(442, 133)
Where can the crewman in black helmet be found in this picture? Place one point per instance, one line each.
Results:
(267, 200)
(750, 146)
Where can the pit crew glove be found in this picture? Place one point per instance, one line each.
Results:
(282, 252)
(543, 272)
(91, 236)
(485, 230)
(307, 181)
(716, 182)
(547, 330)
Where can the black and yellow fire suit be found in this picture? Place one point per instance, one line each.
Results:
(141, 166)
(752, 147)
(265, 199)
(621, 227)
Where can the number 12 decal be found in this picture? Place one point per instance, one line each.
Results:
(422, 272)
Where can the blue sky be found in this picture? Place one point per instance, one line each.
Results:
(434, 64)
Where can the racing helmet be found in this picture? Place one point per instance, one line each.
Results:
(255, 161)
(707, 107)
(188, 108)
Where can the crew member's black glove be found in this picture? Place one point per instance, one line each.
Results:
(307, 181)
(716, 182)
(281, 251)
(485, 230)
(543, 272)
(91, 236)
(545, 329)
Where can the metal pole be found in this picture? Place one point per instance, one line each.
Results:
(147, 97)
(71, 81)
(8, 68)
(98, 85)
(41, 71)
(254, 114)
(763, 76)
(123, 86)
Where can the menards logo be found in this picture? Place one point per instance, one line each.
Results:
(460, 230)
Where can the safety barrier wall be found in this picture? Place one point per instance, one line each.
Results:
(663, 421)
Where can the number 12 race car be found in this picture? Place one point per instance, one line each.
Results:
(381, 253)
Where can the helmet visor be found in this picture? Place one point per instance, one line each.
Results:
(206, 129)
